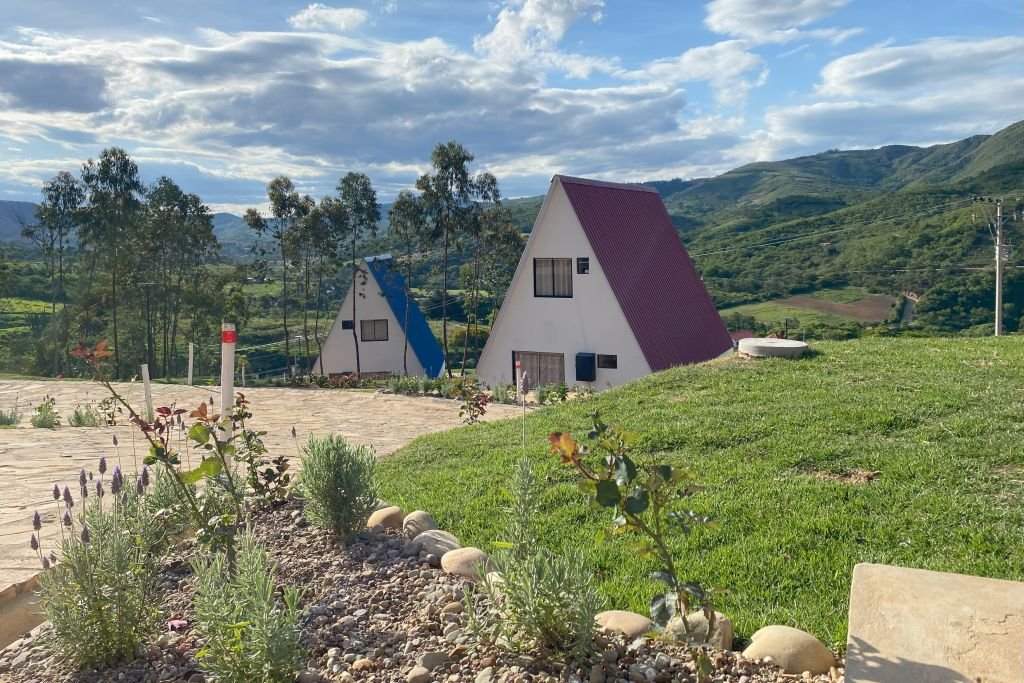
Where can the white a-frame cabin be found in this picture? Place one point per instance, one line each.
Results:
(604, 293)
(380, 326)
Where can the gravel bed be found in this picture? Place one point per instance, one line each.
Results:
(377, 610)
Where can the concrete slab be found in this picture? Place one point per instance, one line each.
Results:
(932, 627)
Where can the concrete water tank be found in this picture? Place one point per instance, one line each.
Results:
(761, 347)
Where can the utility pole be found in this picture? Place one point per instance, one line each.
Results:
(999, 267)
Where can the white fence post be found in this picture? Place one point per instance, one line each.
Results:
(228, 338)
(148, 392)
(190, 356)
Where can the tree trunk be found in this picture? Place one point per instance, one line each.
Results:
(113, 303)
(305, 309)
(408, 305)
(355, 336)
(319, 304)
(444, 304)
(284, 305)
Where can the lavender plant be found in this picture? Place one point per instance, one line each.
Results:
(46, 415)
(337, 480)
(101, 596)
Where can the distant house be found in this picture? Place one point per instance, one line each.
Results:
(604, 293)
(381, 328)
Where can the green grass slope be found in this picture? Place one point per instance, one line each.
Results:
(938, 420)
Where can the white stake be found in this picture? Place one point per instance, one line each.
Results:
(148, 392)
(190, 356)
(228, 338)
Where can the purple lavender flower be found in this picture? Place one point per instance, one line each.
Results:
(56, 492)
(116, 480)
(85, 533)
(139, 488)
(46, 563)
(524, 384)
(82, 479)
(99, 488)
(145, 476)
(67, 519)
(37, 521)
(68, 500)
(103, 462)
(90, 475)
(34, 542)
(115, 440)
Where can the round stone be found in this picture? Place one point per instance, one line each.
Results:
(416, 523)
(721, 635)
(466, 562)
(631, 624)
(418, 674)
(792, 650)
(391, 517)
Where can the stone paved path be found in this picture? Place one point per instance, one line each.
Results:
(33, 460)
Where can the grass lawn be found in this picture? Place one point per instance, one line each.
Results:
(840, 295)
(780, 445)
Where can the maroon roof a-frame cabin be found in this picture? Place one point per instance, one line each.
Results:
(650, 272)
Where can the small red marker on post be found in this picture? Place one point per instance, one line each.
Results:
(228, 339)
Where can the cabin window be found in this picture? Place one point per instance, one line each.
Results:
(607, 362)
(374, 330)
(543, 368)
(346, 324)
(583, 265)
(552, 277)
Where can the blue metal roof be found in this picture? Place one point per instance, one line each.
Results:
(421, 339)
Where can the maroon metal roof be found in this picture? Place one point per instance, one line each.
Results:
(653, 278)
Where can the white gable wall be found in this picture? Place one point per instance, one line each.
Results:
(339, 354)
(590, 322)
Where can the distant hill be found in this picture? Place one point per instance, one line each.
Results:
(12, 216)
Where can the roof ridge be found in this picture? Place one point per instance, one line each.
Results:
(604, 183)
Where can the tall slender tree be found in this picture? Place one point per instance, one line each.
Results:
(407, 227)
(449, 195)
(56, 220)
(360, 201)
(114, 207)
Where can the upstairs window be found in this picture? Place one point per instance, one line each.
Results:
(373, 330)
(552, 277)
(346, 324)
(583, 265)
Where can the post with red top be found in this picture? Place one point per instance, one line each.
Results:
(228, 338)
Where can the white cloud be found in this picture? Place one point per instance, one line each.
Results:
(925, 65)
(727, 65)
(320, 17)
(773, 20)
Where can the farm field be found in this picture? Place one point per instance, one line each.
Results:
(904, 452)
(824, 307)
(32, 460)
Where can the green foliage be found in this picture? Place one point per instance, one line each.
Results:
(541, 599)
(474, 400)
(10, 418)
(85, 416)
(249, 633)
(268, 478)
(46, 415)
(643, 501)
(338, 482)
(101, 597)
(111, 410)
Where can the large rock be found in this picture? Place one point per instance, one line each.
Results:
(416, 523)
(793, 650)
(932, 627)
(721, 634)
(465, 562)
(418, 674)
(390, 517)
(437, 542)
(631, 624)
(432, 660)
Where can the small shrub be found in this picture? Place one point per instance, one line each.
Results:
(85, 416)
(249, 633)
(10, 418)
(338, 483)
(101, 597)
(543, 599)
(542, 394)
(111, 410)
(474, 400)
(46, 416)
(427, 385)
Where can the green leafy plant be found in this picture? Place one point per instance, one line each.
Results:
(474, 400)
(560, 392)
(249, 632)
(538, 599)
(10, 418)
(268, 477)
(101, 596)
(111, 410)
(85, 416)
(643, 501)
(46, 415)
(337, 481)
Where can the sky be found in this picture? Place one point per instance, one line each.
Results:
(224, 95)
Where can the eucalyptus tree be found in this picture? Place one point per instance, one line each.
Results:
(114, 204)
(330, 226)
(56, 220)
(407, 227)
(449, 197)
(481, 215)
(360, 202)
(285, 211)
